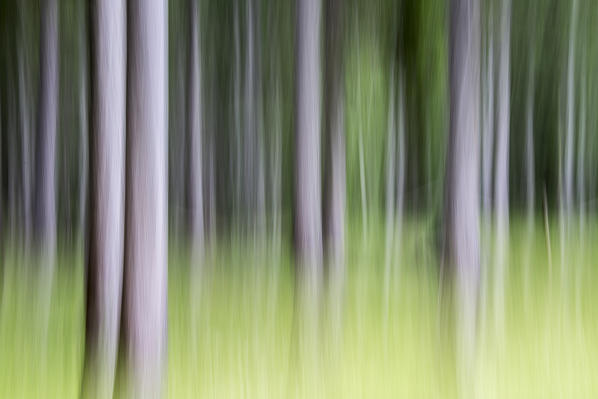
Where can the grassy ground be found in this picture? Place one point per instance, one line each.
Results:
(234, 329)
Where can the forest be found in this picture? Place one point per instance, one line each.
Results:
(298, 198)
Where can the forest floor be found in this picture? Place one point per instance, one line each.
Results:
(234, 328)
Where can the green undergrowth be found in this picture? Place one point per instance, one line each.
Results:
(236, 330)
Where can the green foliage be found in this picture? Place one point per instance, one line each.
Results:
(233, 329)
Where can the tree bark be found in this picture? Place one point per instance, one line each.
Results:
(106, 210)
(570, 131)
(195, 135)
(146, 235)
(501, 182)
(45, 197)
(335, 131)
(308, 224)
(462, 180)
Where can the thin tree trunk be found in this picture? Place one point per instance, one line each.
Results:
(462, 180)
(45, 160)
(25, 113)
(529, 171)
(146, 234)
(195, 136)
(488, 128)
(84, 123)
(401, 159)
(570, 132)
(46, 133)
(307, 140)
(501, 187)
(335, 130)
(107, 202)
(391, 147)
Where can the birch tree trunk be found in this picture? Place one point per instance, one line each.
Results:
(307, 140)
(570, 130)
(107, 199)
(195, 136)
(146, 235)
(462, 180)
(45, 158)
(45, 210)
(501, 182)
(335, 130)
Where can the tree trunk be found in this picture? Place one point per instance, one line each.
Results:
(501, 182)
(146, 234)
(462, 180)
(45, 160)
(106, 210)
(25, 113)
(488, 137)
(195, 136)
(45, 210)
(570, 131)
(308, 225)
(335, 131)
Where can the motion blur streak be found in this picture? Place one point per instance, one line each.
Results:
(298, 198)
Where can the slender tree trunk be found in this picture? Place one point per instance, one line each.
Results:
(529, 171)
(45, 160)
(335, 130)
(107, 202)
(581, 152)
(146, 234)
(237, 112)
(401, 159)
(501, 182)
(462, 180)
(84, 123)
(45, 197)
(195, 136)
(391, 147)
(570, 132)
(488, 127)
(307, 140)
(25, 113)
(250, 138)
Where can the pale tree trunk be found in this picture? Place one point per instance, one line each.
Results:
(566, 189)
(581, 151)
(335, 130)
(529, 171)
(83, 125)
(570, 130)
(581, 192)
(501, 182)
(250, 134)
(308, 215)
(195, 136)
(25, 114)
(45, 158)
(107, 202)
(390, 187)
(401, 161)
(488, 113)
(237, 113)
(462, 180)
(46, 132)
(307, 140)
(146, 235)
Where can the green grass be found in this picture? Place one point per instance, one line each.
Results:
(234, 329)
